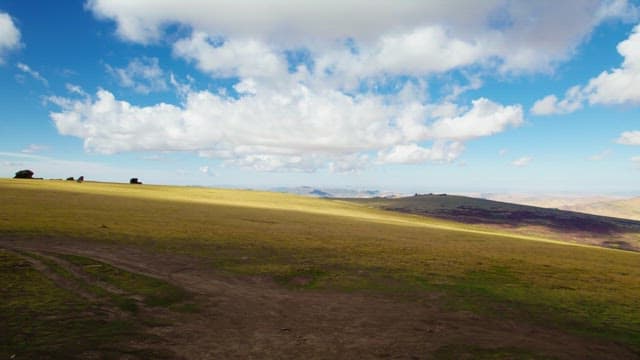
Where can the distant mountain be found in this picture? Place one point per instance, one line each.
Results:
(553, 223)
(334, 192)
(320, 193)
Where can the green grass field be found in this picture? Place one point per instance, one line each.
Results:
(42, 320)
(339, 246)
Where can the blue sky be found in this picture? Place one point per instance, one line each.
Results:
(443, 96)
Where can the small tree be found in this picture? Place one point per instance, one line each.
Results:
(24, 174)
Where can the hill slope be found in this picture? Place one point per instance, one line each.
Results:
(627, 208)
(562, 224)
(282, 276)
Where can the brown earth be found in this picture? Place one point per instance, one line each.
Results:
(255, 318)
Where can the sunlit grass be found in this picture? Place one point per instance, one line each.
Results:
(345, 247)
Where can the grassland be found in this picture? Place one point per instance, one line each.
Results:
(568, 226)
(333, 246)
(49, 312)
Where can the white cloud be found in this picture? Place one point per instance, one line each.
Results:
(279, 118)
(244, 58)
(601, 155)
(297, 127)
(503, 152)
(182, 88)
(474, 83)
(549, 105)
(619, 86)
(442, 151)
(144, 20)
(614, 87)
(34, 148)
(76, 89)
(546, 106)
(629, 138)
(636, 161)
(34, 74)
(350, 164)
(483, 119)
(617, 8)
(522, 162)
(143, 75)
(9, 36)
(520, 35)
(206, 170)
(420, 51)
(277, 162)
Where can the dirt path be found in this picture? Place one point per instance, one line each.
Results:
(252, 317)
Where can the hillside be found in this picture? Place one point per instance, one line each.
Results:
(626, 208)
(98, 270)
(546, 200)
(611, 206)
(555, 223)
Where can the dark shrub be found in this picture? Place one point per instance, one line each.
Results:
(24, 174)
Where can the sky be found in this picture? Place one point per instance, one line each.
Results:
(501, 96)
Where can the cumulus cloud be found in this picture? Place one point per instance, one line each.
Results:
(143, 75)
(629, 138)
(34, 74)
(301, 128)
(552, 105)
(441, 151)
(522, 162)
(359, 97)
(422, 50)
(9, 36)
(350, 163)
(483, 119)
(619, 86)
(614, 87)
(244, 58)
(522, 35)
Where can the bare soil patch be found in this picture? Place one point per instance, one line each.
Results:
(254, 317)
